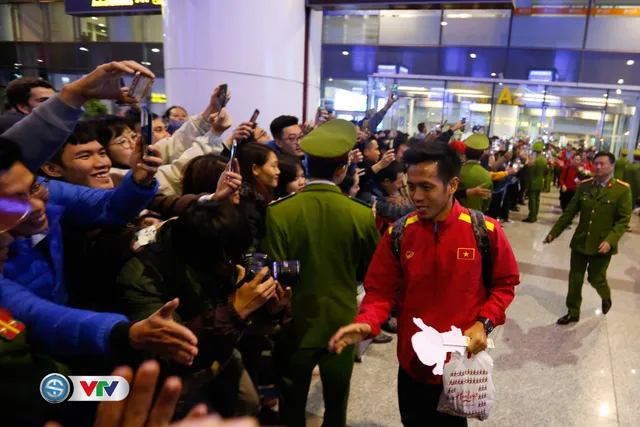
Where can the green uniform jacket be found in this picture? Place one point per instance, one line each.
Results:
(621, 165)
(332, 236)
(538, 171)
(632, 177)
(604, 215)
(472, 175)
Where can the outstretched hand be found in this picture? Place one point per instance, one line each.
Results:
(103, 83)
(348, 335)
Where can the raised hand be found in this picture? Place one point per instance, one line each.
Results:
(162, 335)
(145, 165)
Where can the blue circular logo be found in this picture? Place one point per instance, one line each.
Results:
(55, 388)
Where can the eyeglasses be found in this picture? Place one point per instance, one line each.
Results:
(124, 142)
(292, 139)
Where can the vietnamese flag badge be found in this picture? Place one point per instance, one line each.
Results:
(9, 327)
(466, 254)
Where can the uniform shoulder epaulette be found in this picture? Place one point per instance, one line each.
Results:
(586, 180)
(282, 199)
(360, 202)
(9, 327)
(621, 182)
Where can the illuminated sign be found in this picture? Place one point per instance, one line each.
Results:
(542, 75)
(108, 7)
(405, 4)
(159, 98)
(507, 98)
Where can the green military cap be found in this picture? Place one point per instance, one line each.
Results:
(636, 155)
(538, 146)
(477, 141)
(333, 139)
(625, 151)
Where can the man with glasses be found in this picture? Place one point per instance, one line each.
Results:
(287, 134)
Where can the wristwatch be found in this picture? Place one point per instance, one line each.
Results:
(488, 324)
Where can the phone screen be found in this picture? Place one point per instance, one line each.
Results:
(222, 96)
(254, 117)
(140, 86)
(13, 210)
(394, 91)
(464, 120)
(146, 130)
(234, 149)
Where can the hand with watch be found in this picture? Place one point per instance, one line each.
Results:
(478, 334)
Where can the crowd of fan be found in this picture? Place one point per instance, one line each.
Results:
(111, 230)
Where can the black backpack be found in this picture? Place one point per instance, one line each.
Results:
(480, 232)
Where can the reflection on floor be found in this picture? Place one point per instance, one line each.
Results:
(584, 375)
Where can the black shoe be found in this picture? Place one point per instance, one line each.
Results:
(606, 306)
(565, 320)
(391, 325)
(529, 220)
(382, 338)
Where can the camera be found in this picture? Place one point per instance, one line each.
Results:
(285, 272)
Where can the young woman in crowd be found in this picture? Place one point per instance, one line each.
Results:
(292, 177)
(119, 141)
(260, 174)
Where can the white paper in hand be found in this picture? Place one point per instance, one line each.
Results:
(430, 346)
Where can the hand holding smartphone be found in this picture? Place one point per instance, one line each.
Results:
(232, 157)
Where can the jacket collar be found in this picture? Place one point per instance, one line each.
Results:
(321, 186)
(454, 214)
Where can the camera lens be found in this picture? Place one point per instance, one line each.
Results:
(286, 272)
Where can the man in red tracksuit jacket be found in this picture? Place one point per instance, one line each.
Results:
(568, 183)
(439, 277)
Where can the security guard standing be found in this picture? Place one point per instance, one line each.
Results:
(473, 173)
(604, 204)
(632, 177)
(621, 164)
(332, 236)
(538, 172)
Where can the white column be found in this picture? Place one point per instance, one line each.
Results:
(505, 120)
(255, 46)
(633, 130)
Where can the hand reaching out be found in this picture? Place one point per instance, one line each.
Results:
(387, 158)
(214, 104)
(347, 335)
(355, 157)
(220, 122)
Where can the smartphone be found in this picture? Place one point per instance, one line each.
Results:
(222, 96)
(140, 86)
(146, 130)
(394, 91)
(234, 149)
(254, 117)
(464, 120)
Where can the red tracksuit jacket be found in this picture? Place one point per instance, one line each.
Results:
(440, 281)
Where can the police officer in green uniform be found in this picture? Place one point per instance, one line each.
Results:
(332, 236)
(473, 173)
(548, 177)
(632, 177)
(604, 204)
(538, 172)
(621, 164)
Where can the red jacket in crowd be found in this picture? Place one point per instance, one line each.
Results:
(568, 177)
(440, 281)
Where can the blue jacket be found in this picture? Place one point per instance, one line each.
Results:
(33, 289)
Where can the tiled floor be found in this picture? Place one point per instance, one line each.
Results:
(584, 375)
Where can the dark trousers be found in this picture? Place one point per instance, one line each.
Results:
(296, 368)
(565, 198)
(596, 268)
(419, 404)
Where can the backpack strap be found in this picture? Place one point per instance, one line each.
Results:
(396, 236)
(481, 234)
